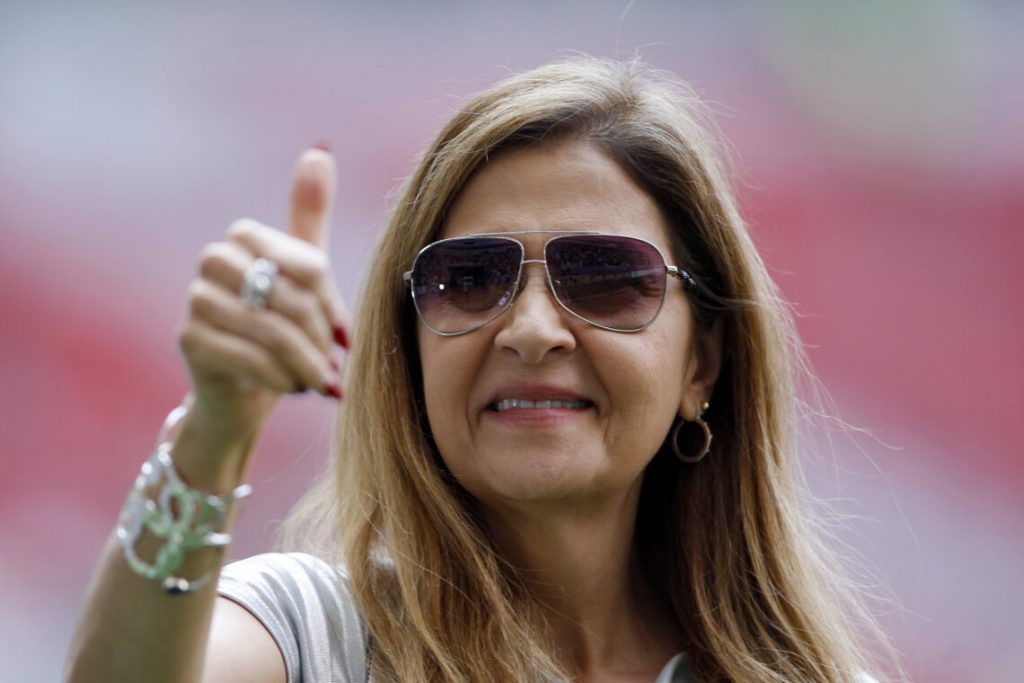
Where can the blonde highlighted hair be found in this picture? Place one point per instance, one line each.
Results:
(728, 541)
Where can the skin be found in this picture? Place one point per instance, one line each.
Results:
(560, 487)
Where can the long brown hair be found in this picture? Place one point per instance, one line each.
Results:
(728, 541)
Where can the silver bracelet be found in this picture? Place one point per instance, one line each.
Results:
(185, 518)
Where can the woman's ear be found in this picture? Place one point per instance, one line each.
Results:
(704, 367)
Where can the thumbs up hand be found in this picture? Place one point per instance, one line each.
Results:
(245, 348)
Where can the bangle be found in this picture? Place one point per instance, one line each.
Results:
(184, 517)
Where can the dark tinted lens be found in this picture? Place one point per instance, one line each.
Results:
(460, 284)
(617, 282)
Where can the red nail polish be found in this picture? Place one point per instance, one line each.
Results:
(323, 145)
(333, 390)
(341, 336)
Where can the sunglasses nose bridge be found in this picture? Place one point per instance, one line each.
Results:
(524, 277)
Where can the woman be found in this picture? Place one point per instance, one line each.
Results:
(565, 452)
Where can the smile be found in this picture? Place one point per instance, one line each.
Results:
(522, 403)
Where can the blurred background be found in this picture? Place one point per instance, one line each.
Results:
(879, 155)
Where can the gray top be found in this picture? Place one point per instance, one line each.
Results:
(306, 606)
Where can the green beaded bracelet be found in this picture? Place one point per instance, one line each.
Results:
(185, 518)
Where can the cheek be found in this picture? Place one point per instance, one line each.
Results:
(652, 375)
(645, 394)
(433, 388)
(675, 343)
(448, 371)
(653, 388)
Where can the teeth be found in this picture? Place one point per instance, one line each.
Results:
(511, 403)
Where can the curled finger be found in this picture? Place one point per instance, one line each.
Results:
(227, 265)
(306, 264)
(279, 336)
(215, 355)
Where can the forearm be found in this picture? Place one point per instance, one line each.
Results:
(131, 628)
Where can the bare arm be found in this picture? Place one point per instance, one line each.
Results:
(131, 629)
(240, 360)
(161, 639)
(240, 648)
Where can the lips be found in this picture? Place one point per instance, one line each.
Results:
(537, 398)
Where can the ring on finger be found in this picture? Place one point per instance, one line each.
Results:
(257, 283)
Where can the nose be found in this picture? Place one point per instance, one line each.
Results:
(534, 326)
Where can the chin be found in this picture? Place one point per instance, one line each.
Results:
(539, 487)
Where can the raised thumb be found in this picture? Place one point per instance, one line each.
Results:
(313, 183)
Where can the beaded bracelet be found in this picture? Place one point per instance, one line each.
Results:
(185, 518)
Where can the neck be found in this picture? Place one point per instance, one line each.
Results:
(580, 564)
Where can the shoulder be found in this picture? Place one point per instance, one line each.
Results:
(304, 602)
(296, 587)
(282, 572)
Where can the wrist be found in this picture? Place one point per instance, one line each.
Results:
(210, 450)
(181, 516)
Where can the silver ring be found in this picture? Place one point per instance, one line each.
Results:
(258, 281)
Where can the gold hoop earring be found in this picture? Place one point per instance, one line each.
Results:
(705, 435)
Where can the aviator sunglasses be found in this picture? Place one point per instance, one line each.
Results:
(614, 282)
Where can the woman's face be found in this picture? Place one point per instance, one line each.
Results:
(631, 385)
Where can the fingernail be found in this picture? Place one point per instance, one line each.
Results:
(323, 145)
(334, 366)
(341, 336)
(333, 390)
